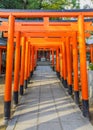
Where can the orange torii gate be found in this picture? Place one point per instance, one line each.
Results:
(65, 50)
(51, 49)
(38, 29)
(38, 41)
(46, 24)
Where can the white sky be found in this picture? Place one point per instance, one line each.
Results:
(84, 2)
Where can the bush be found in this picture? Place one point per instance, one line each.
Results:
(90, 67)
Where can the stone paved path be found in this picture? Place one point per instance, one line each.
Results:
(46, 106)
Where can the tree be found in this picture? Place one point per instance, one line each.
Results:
(72, 4)
(75, 4)
(54, 4)
(25, 4)
(34, 4)
(39, 4)
(46, 4)
(11, 4)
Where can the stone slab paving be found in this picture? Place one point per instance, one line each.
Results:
(47, 106)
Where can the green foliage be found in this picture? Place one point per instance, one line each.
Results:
(54, 4)
(90, 67)
(34, 4)
(38, 4)
(11, 4)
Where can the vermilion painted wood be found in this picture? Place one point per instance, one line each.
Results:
(82, 49)
(49, 35)
(9, 61)
(22, 69)
(17, 64)
(24, 14)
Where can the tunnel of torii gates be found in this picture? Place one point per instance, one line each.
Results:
(66, 38)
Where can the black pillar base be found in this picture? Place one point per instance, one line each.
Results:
(31, 73)
(35, 68)
(58, 74)
(7, 110)
(62, 80)
(65, 83)
(70, 89)
(21, 90)
(28, 78)
(53, 68)
(76, 97)
(85, 108)
(15, 97)
(25, 84)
